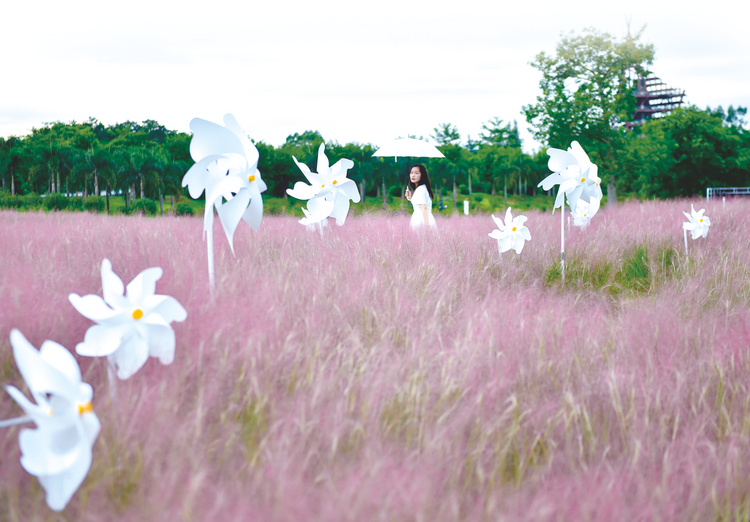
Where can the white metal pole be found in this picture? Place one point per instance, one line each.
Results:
(562, 241)
(210, 248)
(7, 423)
(686, 250)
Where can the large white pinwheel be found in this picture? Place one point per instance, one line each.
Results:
(226, 168)
(698, 223)
(58, 451)
(329, 191)
(130, 326)
(511, 234)
(573, 171)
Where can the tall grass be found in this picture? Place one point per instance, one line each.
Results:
(378, 374)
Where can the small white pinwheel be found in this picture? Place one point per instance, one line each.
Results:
(511, 234)
(58, 451)
(575, 174)
(329, 191)
(131, 326)
(698, 223)
(226, 167)
(585, 211)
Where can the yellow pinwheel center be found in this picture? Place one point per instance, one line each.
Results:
(334, 181)
(137, 313)
(50, 412)
(251, 178)
(583, 179)
(85, 408)
(514, 229)
(323, 185)
(584, 214)
(701, 220)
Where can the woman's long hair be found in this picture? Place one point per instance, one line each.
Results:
(423, 180)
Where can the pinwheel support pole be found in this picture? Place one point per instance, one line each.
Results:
(562, 242)
(210, 249)
(112, 376)
(8, 423)
(686, 249)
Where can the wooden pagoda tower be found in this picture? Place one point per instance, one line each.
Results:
(654, 99)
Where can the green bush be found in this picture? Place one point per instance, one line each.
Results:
(94, 204)
(32, 201)
(8, 200)
(55, 201)
(143, 206)
(395, 191)
(75, 203)
(183, 209)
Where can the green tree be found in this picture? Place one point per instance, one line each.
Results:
(495, 133)
(587, 95)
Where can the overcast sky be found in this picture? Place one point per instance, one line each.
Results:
(356, 72)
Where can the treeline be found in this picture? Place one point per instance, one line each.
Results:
(679, 155)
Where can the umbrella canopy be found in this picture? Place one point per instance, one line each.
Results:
(408, 147)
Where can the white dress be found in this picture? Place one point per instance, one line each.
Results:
(421, 197)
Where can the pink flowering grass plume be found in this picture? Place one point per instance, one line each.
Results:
(58, 451)
(511, 234)
(575, 173)
(130, 326)
(226, 168)
(697, 223)
(329, 191)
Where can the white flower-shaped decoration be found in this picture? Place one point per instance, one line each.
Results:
(226, 167)
(511, 234)
(58, 451)
(329, 191)
(585, 211)
(575, 174)
(131, 326)
(698, 223)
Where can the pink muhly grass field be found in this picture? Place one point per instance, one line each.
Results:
(378, 374)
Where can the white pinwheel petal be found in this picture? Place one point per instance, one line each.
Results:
(198, 177)
(112, 287)
(49, 452)
(688, 226)
(227, 185)
(231, 212)
(167, 307)
(161, 342)
(519, 221)
(323, 164)
(143, 285)
(559, 160)
(340, 208)
(498, 222)
(314, 179)
(508, 217)
(496, 234)
(251, 152)
(101, 340)
(550, 181)
(706, 221)
(560, 199)
(518, 243)
(580, 155)
(302, 191)
(524, 231)
(319, 209)
(61, 487)
(93, 307)
(39, 376)
(131, 356)
(253, 214)
(59, 358)
(506, 243)
(341, 166)
(350, 190)
(209, 139)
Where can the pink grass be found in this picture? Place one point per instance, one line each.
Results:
(375, 374)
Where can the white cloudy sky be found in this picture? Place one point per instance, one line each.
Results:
(364, 72)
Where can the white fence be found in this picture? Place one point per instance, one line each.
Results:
(727, 191)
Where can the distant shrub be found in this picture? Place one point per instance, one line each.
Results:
(395, 191)
(274, 206)
(94, 204)
(32, 201)
(143, 206)
(183, 209)
(75, 203)
(8, 200)
(56, 201)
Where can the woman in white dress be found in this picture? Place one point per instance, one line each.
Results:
(419, 192)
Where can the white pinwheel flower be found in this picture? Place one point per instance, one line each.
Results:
(573, 171)
(511, 234)
(585, 211)
(130, 326)
(329, 191)
(58, 451)
(226, 167)
(698, 223)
